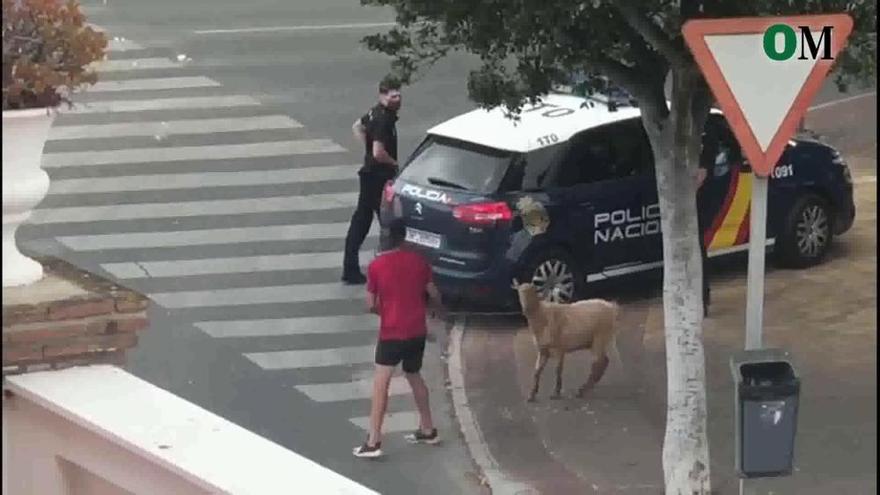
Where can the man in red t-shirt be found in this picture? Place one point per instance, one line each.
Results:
(398, 281)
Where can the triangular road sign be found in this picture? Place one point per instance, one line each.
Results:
(764, 72)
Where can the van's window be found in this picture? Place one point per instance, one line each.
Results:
(533, 170)
(456, 164)
(613, 151)
(631, 149)
(589, 159)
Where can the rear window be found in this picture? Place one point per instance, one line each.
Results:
(456, 164)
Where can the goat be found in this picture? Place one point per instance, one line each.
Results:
(558, 329)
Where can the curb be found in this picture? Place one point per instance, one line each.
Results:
(492, 475)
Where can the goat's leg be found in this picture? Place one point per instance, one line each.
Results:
(596, 372)
(560, 361)
(539, 367)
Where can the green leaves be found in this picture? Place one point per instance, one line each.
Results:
(527, 46)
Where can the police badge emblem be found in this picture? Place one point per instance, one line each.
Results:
(534, 216)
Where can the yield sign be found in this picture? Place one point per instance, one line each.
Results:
(764, 72)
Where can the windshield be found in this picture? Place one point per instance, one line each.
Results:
(458, 165)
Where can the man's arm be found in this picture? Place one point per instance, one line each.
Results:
(434, 300)
(359, 130)
(381, 154)
(372, 303)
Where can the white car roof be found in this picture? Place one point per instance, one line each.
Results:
(553, 120)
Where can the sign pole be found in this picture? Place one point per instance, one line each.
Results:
(736, 55)
(755, 274)
(757, 257)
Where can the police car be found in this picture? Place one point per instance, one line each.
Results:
(566, 197)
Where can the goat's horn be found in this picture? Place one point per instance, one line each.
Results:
(515, 284)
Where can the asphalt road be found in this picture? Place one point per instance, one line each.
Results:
(228, 204)
(221, 186)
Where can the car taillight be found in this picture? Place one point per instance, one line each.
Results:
(388, 192)
(482, 213)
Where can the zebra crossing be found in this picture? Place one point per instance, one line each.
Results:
(142, 189)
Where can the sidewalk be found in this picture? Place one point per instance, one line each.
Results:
(611, 442)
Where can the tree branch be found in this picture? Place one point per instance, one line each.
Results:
(652, 33)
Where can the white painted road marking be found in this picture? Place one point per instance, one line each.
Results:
(153, 84)
(238, 264)
(842, 100)
(122, 45)
(78, 214)
(273, 29)
(190, 103)
(313, 358)
(243, 296)
(205, 237)
(290, 326)
(183, 153)
(393, 423)
(161, 182)
(172, 127)
(359, 389)
(129, 64)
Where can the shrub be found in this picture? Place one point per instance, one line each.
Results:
(47, 52)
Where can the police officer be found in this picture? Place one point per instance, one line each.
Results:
(703, 220)
(719, 154)
(378, 132)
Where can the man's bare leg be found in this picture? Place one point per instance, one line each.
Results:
(380, 402)
(420, 393)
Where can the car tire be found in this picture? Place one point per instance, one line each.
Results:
(557, 267)
(806, 234)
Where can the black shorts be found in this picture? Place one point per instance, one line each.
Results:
(410, 351)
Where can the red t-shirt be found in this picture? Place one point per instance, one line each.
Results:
(399, 278)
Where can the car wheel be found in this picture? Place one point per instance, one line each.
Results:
(555, 274)
(807, 233)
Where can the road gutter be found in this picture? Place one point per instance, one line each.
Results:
(492, 475)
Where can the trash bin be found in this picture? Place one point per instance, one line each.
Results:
(766, 404)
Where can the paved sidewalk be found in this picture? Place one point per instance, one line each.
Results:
(611, 443)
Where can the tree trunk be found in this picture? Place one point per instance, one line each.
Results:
(676, 142)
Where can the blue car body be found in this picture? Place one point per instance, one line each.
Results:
(489, 199)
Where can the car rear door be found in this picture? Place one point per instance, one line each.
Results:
(607, 200)
(446, 194)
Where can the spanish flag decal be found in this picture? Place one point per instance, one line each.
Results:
(731, 225)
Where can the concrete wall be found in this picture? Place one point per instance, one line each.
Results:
(98, 430)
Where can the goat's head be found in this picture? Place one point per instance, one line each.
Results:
(528, 295)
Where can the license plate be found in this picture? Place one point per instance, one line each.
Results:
(422, 238)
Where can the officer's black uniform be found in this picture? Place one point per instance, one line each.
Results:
(381, 125)
(704, 222)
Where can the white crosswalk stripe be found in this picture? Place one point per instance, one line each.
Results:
(244, 296)
(182, 153)
(238, 264)
(159, 182)
(394, 422)
(122, 45)
(176, 266)
(129, 64)
(358, 389)
(312, 358)
(183, 209)
(153, 84)
(189, 103)
(172, 127)
(290, 326)
(206, 237)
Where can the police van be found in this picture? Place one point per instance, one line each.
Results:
(566, 197)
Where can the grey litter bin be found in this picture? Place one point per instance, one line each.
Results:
(766, 404)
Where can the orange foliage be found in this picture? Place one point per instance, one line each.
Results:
(47, 52)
